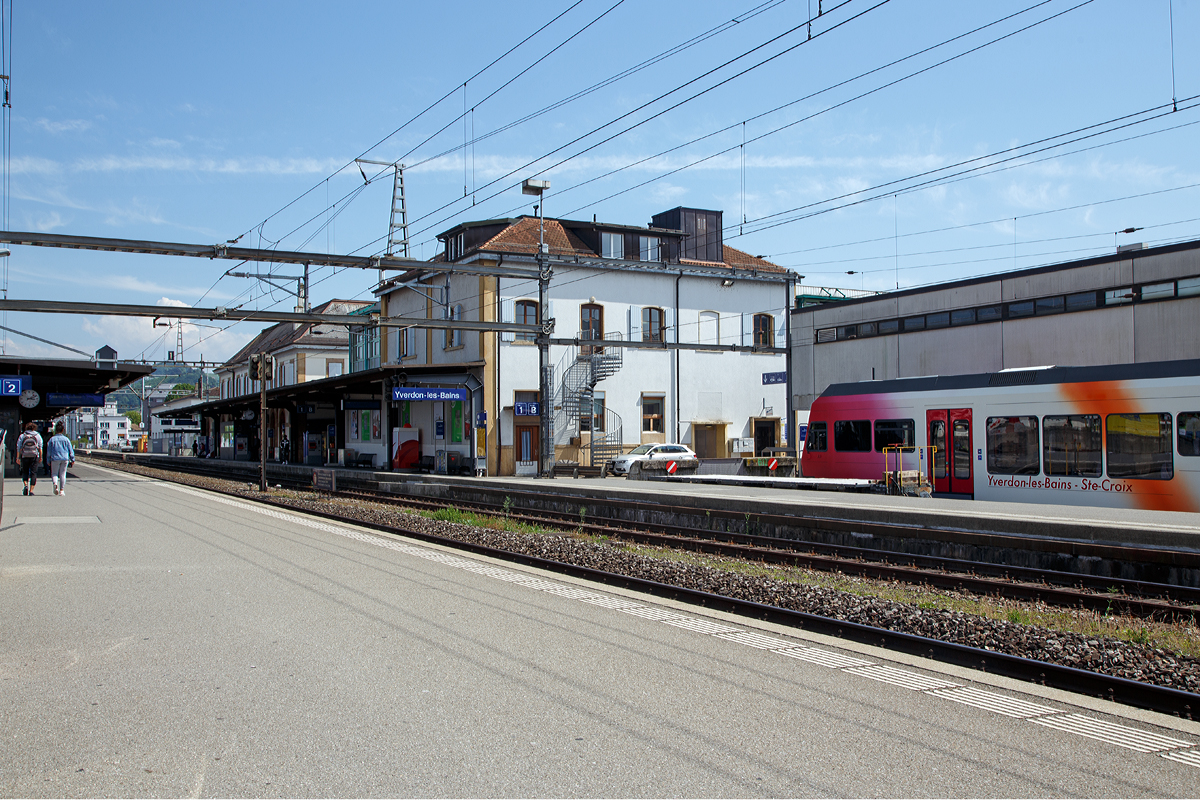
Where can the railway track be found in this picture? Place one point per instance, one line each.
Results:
(1158, 698)
(1137, 598)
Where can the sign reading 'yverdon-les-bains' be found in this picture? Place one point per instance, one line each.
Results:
(429, 393)
(59, 399)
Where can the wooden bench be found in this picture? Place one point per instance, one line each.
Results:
(563, 470)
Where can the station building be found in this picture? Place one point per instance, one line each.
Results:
(631, 306)
(1135, 305)
(306, 418)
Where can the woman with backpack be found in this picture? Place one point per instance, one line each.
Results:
(29, 450)
(62, 455)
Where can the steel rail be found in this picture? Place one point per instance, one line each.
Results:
(1024, 583)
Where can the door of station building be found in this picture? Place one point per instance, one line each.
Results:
(591, 326)
(950, 433)
(764, 435)
(708, 440)
(527, 445)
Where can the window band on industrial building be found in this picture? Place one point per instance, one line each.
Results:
(1016, 309)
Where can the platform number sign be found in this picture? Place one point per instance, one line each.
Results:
(10, 387)
(772, 464)
(672, 466)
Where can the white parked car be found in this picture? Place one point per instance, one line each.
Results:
(649, 452)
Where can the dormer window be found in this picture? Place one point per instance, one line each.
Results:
(650, 248)
(455, 246)
(612, 245)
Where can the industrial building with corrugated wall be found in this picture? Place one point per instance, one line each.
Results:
(1135, 305)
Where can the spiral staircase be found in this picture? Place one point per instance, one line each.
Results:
(583, 367)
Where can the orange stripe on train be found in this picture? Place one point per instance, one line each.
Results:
(1109, 397)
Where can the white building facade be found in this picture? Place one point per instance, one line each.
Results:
(662, 333)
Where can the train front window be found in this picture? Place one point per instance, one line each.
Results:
(1187, 427)
(1071, 445)
(1012, 446)
(894, 433)
(1139, 446)
(818, 438)
(852, 436)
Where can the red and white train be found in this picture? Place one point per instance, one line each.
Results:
(1125, 436)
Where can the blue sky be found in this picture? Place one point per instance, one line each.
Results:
(198, 123)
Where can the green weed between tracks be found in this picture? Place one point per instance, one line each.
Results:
(1182, 637)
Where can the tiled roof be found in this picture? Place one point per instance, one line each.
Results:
(288, 334)
(743, 260)
(523, 237)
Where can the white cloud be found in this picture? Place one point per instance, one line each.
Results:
(1039, 197)
(135, 337)
(64, 126)
(173, 163)
(238, 166)
(32, 165)
(123, 283)
(48, 222)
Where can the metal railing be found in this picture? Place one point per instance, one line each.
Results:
(911, 482)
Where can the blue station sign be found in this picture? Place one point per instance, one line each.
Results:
(527, 409)
(13, 385)
(425, 394)
(80, 400)
(769, 378)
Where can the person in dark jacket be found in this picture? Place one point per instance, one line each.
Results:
(29, 451)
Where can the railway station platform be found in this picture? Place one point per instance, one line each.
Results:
(764, 497)
(163, 640)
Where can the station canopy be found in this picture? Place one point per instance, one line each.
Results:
(63, 385)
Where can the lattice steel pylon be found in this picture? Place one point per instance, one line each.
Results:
(398, 230)
(398, 222)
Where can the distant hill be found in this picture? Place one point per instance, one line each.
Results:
(130, 399)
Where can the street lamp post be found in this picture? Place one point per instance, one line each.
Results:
(545, 271)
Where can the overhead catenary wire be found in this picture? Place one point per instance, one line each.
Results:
(926, 69)
(350, 196)
(525, 168)
(798, 100)
(628, 72)
(1125, 120)
(647, 104)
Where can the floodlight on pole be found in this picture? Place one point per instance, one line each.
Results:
(537, 188)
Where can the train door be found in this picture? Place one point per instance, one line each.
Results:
(950, 433)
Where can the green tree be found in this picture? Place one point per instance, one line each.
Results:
(134, 416)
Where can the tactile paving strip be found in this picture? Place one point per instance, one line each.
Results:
(989, 701)
(1111, 732)
(900, 677)
(826, 658)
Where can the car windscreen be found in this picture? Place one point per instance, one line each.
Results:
(641, 450)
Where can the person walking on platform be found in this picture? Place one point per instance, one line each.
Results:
(29, 450)
(62, 455)
(45, 434)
